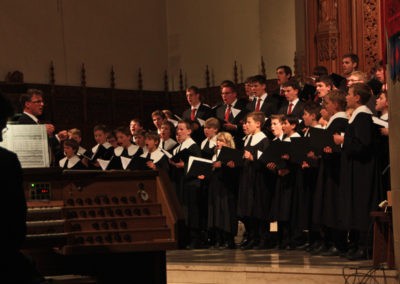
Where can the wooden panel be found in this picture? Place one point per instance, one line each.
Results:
(337, 27)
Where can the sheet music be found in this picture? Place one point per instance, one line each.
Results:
(30, 143)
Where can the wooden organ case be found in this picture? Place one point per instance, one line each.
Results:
(112, 225)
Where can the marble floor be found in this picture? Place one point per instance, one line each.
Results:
(270, 266)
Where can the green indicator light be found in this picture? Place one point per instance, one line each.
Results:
(32, 185)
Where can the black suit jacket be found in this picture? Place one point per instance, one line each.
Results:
(269, 106)
(204, 112)
(238, 120)
(26, 119)
(277, 95)
(297, 111)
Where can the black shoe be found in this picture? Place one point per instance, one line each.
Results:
(333, 251)
(348, 252)
(319, 250)
(244, 242)
(250, 245)
(228, 245)
(360, 254)
(313, 246)
(303, 246)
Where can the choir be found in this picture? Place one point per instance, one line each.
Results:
(315, 163)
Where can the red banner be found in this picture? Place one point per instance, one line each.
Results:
(392, 16)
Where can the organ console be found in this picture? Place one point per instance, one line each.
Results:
(108, 224)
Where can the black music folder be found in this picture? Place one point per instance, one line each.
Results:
(198, 166)
(375, 85)
(275, 151)
(299, 147)
(181, 155)
(308, 92)
(321, 138)
(140, 164)
(229, 154)
(337, 79)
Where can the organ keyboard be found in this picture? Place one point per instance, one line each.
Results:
(87, 213)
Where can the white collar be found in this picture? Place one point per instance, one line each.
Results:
(339, 114)
(155, 155)
(294, 135)
(105, 145)
(213, 142)
(360, 109)
(35, 119)
(185, 144)
(71, 162)
(196, 107)
(168, 144)
(385, 116)
(132, 149)
(294, 102)
(81, 150)
(257, 138)
(263, 97)
(280, 138)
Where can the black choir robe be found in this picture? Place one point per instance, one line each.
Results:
(188, 188)
(159, 159)
(132, 152)
(104, 151)
(359, 179)
(254, 192)
(222, 194)
(282, 203)
(327, 195)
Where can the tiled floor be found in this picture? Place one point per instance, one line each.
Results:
(273, 266)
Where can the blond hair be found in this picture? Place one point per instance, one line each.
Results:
(227, 138)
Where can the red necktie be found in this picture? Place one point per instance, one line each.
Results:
(289, 111)
(258, 104)
(227, 112)
(193, 114)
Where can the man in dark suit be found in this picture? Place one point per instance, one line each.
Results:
(232, 112)
(262, 101)
(293, 105)
(283, 74)
(32, 104)
(198, 113)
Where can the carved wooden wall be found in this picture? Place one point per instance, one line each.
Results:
(337, 27)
